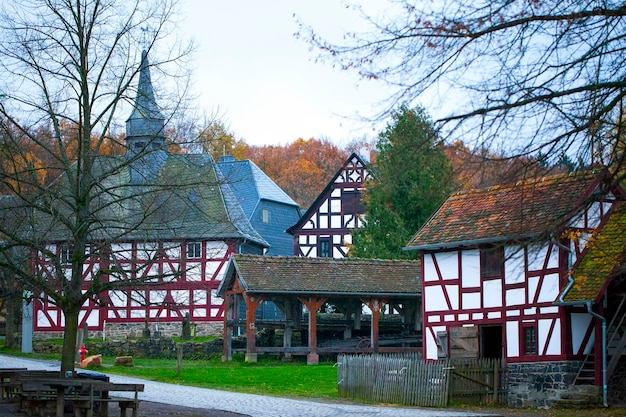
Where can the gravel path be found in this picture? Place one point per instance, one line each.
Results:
(249, 404)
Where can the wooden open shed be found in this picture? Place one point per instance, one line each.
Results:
(299, 287)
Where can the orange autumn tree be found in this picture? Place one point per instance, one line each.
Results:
(301, 168)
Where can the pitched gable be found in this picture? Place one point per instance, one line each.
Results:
(344, 175)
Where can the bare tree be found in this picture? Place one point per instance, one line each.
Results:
(541, 77)
(70, 68)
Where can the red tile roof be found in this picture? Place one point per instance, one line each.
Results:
(504, 213)
(603, 257)
(300, 275)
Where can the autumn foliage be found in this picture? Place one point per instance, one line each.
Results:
(302, 169)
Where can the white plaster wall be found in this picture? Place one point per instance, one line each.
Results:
(549, 289)
(554, 344)
(471, 300)
(434, 299)
(448, 264)
(515, 296)
(513, 265)
(430, 273)
(453, 295)
(580, 324)
(492, 293)
(512, 339)
(431, 343)
(471, 268)
(537, 254)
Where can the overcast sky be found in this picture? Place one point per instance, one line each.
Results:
(265, 82)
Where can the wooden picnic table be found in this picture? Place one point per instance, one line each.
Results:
(5, 380)
(93, 396)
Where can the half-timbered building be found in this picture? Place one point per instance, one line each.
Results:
(170, 226)
(324, 230)
(496, 281)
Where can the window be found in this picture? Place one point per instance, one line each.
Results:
(530, 340)
(351, 202)
(324, 248)
(265, 214)
(66, 255)
(491, 262)
(194, 250)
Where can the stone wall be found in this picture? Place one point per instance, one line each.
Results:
(161, 348)
(136, 330)
(539, 384)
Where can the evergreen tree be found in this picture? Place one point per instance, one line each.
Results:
(412, 177)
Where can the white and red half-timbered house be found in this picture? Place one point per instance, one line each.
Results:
(496, 273)
(166, 226)
(325, 229)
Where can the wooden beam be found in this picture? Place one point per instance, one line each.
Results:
(227, 348)
(252, 303)
(313, 304)
(375, 305)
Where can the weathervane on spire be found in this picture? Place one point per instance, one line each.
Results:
(145, 41)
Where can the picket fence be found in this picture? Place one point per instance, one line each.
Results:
(407, 380)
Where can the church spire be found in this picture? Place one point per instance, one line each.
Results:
(145, 126)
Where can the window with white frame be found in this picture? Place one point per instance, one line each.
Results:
(194, 250)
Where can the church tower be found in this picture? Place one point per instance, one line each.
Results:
(146, 125)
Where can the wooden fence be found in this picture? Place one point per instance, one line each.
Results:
(407, 380)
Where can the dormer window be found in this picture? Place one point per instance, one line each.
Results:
(265, 214)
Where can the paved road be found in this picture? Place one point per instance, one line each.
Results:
(252, 405)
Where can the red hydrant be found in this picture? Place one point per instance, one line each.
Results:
(82, 351)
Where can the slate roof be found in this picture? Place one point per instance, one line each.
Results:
(603, 257)
(250, 184)
(182, 200)
(323, 276)
(505, 213)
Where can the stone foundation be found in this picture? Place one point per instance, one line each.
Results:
(136, 331)
(539, 384)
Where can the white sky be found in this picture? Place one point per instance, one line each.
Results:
(264, 81)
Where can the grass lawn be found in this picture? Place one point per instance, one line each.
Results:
(267, 376)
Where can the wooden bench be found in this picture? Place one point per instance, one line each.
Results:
(14, 386)
(98, 399)
(36, 397)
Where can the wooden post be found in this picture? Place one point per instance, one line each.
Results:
(375, 305)
(252, 302)
(288, 331)
(179, 359)
(313, 304)
(227, 347)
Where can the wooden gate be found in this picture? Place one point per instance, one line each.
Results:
(476, 381)
(407, 380)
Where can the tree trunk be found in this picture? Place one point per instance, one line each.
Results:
(69, 339)
(12, 306)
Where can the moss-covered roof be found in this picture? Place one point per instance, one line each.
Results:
(603, 256)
